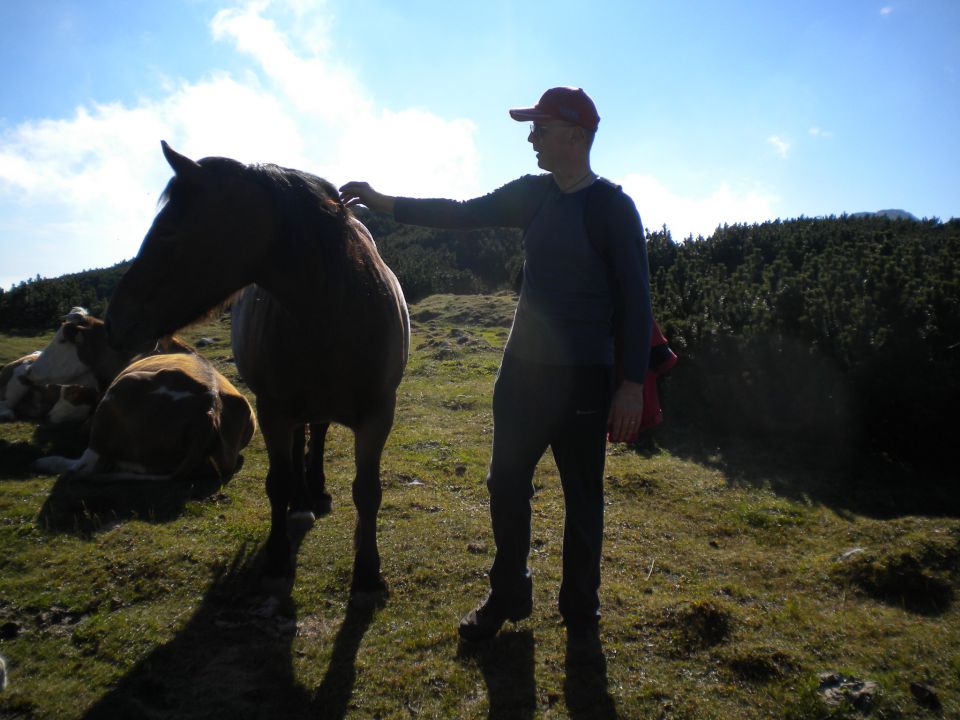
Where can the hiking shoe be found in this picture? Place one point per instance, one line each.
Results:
(485, 621)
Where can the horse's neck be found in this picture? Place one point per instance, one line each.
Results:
(304, 279)
(296, 288)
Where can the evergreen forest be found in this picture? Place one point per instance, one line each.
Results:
(838, 330)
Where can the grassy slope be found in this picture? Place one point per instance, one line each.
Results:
(724, 589)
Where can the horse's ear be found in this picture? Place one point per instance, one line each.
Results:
(183, 166)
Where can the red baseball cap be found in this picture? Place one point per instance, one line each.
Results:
(566, 104)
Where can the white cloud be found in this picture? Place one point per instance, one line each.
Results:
(80, 192)
(819, 133)
(349, 136)
(685, 216)
(886, 10)
(780, 145)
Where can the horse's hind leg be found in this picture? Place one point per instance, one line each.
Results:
(301, 516)
(369, 439)
(316, 479)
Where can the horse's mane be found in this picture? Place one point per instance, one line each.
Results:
(313, 224)
(302, 199)
(305, 203)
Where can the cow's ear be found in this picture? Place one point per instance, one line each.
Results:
(183, 166)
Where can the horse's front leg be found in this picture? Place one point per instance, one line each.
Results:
(369, 440)
(280, 436)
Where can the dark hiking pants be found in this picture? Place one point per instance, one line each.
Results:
(564, 408)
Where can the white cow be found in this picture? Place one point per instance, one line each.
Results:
(25, 397)
(79, 354)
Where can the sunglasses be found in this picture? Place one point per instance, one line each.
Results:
(538, 130)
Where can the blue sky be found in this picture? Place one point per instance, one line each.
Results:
(712, 112)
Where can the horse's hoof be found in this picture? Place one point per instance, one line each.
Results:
(373, 600)
(323, 505)
(299, 523)
(369, 596)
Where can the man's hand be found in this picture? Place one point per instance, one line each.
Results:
(626, 411)
(360, 193)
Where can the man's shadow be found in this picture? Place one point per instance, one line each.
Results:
(585, 687)
(507, 664)
(234, 659)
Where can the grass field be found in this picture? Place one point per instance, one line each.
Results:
(735, 574)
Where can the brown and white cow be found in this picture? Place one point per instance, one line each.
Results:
(22, 399)
(13, 387)
(63, 383)
(79, 354)
(164, 417)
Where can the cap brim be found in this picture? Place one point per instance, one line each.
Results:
(533, 114)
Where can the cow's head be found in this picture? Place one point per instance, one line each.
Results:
(69, 358)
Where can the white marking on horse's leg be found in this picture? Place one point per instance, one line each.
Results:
(299, 524)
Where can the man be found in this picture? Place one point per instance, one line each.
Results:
(555, 385)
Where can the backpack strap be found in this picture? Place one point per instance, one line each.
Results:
(600, 197)
(540, 190)
(596, 213)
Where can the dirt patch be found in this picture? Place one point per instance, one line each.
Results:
(760, 665)
(454, 343)
(918, 575)
(700, 624)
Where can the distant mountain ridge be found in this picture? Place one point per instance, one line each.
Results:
(893, 214)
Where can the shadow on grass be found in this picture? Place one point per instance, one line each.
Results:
(16, 459)
(507, 664)
(585, 688)
(17, 453)
(233, 659)
(85, 506)
(332, 698)
(845, 479)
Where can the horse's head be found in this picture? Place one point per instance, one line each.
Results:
(203, 246)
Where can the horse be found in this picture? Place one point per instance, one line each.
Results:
(321, 330)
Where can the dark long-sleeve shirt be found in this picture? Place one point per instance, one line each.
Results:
(566, 307)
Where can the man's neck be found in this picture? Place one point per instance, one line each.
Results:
(573, 178)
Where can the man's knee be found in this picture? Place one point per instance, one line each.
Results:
(507, 484)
